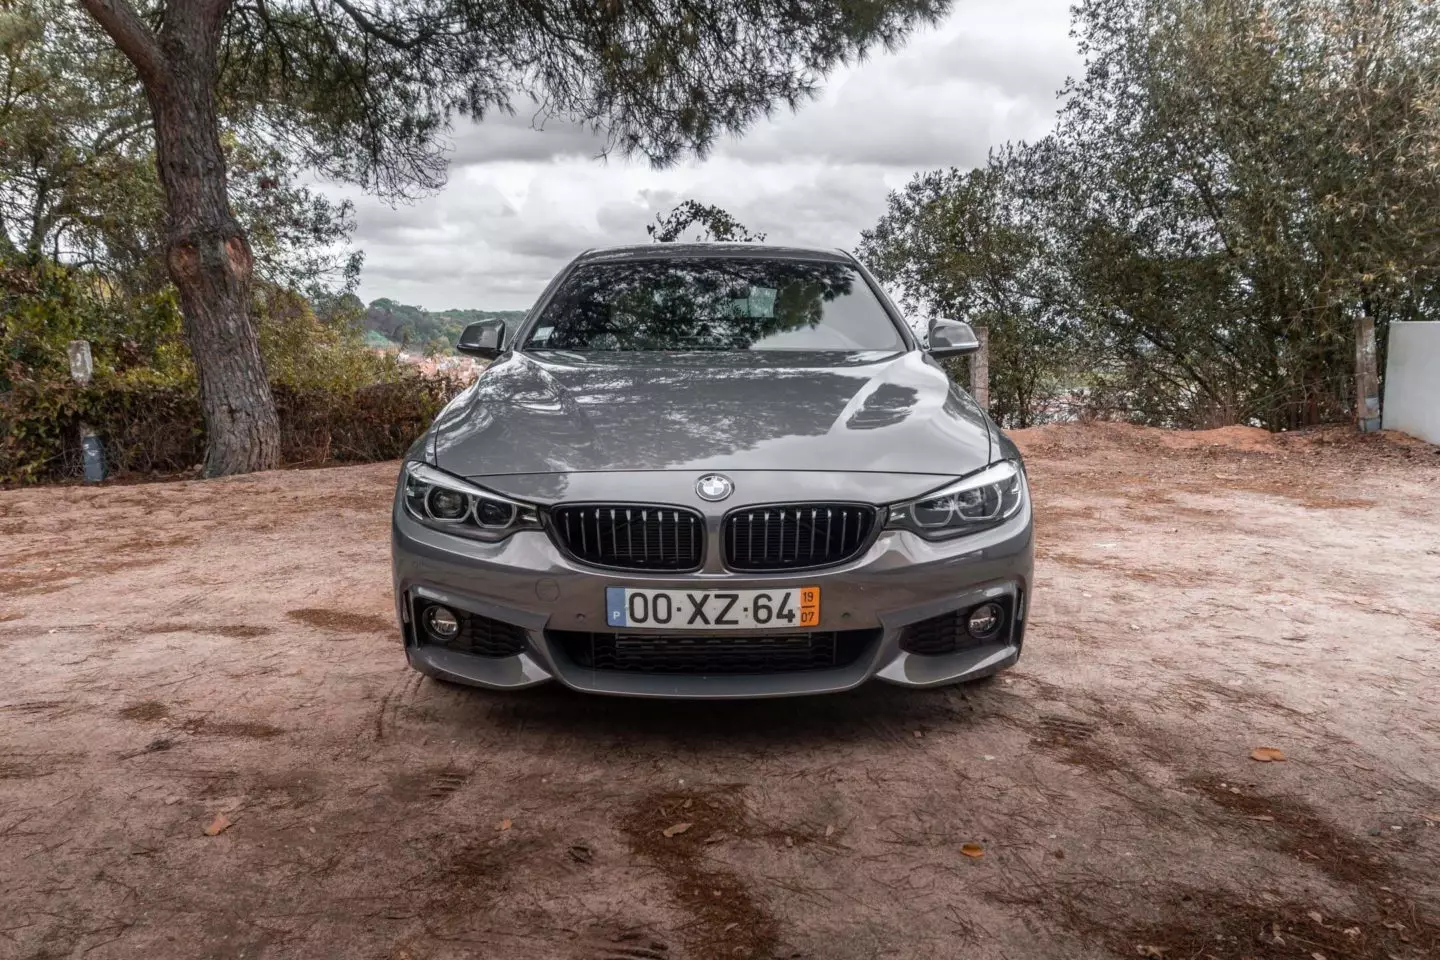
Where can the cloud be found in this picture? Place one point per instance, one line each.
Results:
(521, 202)
(526, 135)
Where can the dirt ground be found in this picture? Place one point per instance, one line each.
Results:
(185, 651)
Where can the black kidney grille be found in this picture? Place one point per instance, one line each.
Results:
(631, 537)
(796, 536)
(683, 654)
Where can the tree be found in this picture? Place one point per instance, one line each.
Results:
(1236, 192)
(716, 225)
(971, 245)
(77, 167)
(364, 91)
(1273, 162)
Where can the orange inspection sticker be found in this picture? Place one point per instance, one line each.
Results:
(809, 606)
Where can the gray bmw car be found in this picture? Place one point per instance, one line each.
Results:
(709, 471)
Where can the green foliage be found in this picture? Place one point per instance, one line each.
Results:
(716, 224)
(338, 399)
(966, 246)
(43, 308)
(77, 166)
(1233, 184)
(424, 331)
(156, 428)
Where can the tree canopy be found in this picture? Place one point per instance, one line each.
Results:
(709, 221)
(365, 91)
(1234, 189)
(77, 166)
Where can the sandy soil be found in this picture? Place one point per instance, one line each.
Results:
(177, 652)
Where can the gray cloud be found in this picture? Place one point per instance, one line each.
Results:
(522, 201)
(523, 136)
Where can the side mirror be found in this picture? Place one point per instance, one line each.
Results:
(952, 338)
(483, 338)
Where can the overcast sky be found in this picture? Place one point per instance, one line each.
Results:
(520, 203)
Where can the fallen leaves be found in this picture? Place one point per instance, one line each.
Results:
(675, 829)
(505, 824)
(219, 825)
(1267, 755)
(1146, 950)
(830, 830)
(972, 850)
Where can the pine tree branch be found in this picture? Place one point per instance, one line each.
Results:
(131, 35)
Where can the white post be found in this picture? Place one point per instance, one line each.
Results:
(82, 368)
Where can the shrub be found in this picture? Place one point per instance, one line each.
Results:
(338, 400)
(157, 428)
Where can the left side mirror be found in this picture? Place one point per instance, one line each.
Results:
(483, 338)
(952, 338)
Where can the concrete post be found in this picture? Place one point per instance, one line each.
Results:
(1367, 377)
(82, 368)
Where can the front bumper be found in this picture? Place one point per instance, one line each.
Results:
(526, 581)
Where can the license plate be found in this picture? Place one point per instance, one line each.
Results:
(713, 609)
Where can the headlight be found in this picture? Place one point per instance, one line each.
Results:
(978, 502)
(438, 500)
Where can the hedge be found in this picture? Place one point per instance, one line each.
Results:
(159, 429)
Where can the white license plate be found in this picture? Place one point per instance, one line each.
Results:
(712, 610)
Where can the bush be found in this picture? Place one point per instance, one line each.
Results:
(338, 400)
(157, 428)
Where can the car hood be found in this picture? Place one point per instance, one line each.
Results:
(562, 412)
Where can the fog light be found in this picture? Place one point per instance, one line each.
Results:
(985, 621)
(441, 623)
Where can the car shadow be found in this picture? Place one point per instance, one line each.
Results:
(876, 711)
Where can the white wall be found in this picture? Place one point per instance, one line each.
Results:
(1412, 380)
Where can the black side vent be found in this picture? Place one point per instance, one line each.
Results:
(480, 636)
(630, 537)
(796, 536)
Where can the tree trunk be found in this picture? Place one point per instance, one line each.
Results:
(210, 262)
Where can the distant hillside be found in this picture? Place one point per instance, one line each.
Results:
(425, 331)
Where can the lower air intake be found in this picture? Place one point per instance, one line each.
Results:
(777, 653)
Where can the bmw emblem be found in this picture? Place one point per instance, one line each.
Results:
(713, 487)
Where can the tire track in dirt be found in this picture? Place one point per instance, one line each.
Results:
(727, 919)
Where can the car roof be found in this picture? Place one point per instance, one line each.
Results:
(667, 251)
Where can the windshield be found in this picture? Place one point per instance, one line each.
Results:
(718, 303)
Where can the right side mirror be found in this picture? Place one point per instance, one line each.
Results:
(483, 338)
(952, 338)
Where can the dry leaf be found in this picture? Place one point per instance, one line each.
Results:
(919, 734)
(504, 824)
(1146, 950)
(219, 825)
(1263, 816)
(1317, 916)
(686, 804)
(972, 850)
(675, 829)
(1267, 755)
(829, 831)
